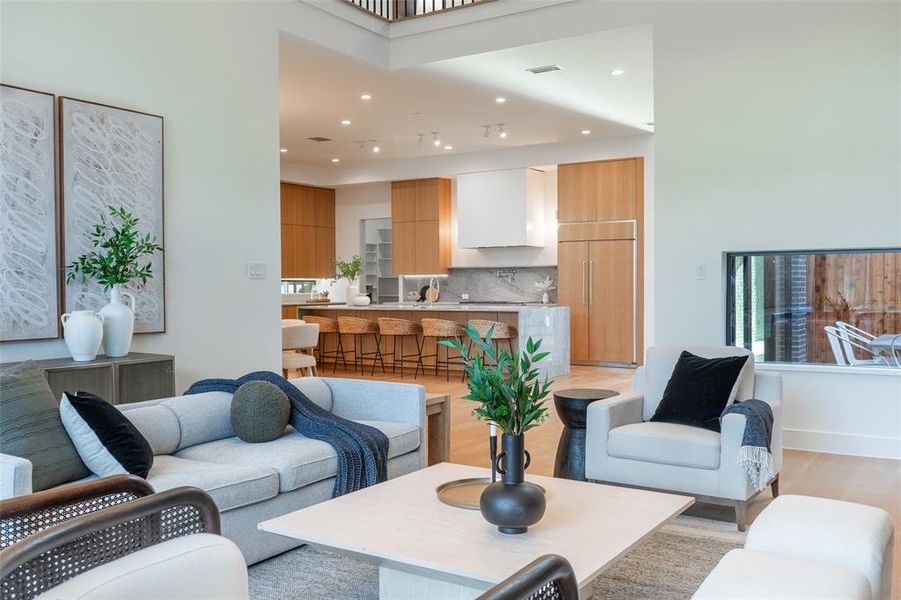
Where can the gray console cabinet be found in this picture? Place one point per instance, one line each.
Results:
(131, 378)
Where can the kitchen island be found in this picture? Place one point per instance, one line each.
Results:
(546, 321)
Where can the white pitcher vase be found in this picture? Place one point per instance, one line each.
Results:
(118, 323)
(83, 331)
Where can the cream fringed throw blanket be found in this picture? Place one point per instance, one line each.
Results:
(755, 455)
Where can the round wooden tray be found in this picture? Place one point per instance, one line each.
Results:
(465, 493)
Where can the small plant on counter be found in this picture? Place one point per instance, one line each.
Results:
(545, 287)
(507, 387)
(349, 270)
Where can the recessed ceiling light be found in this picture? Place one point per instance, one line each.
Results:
(616, 72)
(448, 147)
(500, 99)
(345, 122)
(586, 132)
(336, 160)
(366, 97)
(282, 150)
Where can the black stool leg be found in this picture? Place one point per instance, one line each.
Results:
(378, 353)
(339, 349)
(420, 344)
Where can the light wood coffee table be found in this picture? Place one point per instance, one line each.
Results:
(427, 549)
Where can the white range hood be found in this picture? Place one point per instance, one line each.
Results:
(500, 208)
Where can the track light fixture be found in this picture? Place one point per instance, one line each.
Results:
(436, 141)
(419, 137)
(362, 144)
(487, 131)
(375, 146)
(501, 132)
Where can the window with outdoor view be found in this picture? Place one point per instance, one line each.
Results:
(819, 306)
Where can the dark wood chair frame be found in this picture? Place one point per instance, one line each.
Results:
(197, 513)
(549, 577)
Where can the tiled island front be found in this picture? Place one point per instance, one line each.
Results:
(548, 322)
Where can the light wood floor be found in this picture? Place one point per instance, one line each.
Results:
(872, 481)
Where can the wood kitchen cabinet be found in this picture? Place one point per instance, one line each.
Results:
(607, 190)
(597, 282)
(600, 259)
(421, 228)
(307, 230)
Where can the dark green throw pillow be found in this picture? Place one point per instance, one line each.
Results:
(30, 427)
(259, 412)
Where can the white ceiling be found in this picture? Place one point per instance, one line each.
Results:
(320, 87)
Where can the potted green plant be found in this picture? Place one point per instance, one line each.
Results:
(511, 395)
(115, 262)
(351, 270)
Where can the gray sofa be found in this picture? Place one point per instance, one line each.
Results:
(194, 444)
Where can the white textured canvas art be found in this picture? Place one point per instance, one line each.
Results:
(29, 276)
(112, 157)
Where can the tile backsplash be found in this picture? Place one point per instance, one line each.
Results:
(496, 284)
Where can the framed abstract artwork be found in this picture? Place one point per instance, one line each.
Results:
(112, 157)
(29, 232)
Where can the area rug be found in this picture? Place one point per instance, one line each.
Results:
(670, 564)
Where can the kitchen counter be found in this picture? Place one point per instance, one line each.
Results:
(436, 306)
(546, 321)
(313, 304)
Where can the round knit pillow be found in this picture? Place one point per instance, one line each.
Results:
(259, 412)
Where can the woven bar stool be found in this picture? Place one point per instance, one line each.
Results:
(327, 327)
(359, 329)
(441, 329)
(502, 331)
(398, 330)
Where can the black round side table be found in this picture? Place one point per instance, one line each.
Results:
(572, 408)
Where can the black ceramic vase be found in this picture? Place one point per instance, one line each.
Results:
(512, 503)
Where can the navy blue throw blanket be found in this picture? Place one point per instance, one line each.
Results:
(755, 453)
(362, 450)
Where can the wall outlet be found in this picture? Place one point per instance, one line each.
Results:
(700, 271)
(256, 270)
(464, 296)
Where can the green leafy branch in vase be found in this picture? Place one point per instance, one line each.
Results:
(506, 386)
(118, 248)
(349, 270)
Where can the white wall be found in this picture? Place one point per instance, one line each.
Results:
(841, 410)
(353, 204)
(211, 70)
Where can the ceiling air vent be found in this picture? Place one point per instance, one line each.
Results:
(319, 138)
(544, 69)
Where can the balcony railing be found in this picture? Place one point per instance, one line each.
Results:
(398, 10)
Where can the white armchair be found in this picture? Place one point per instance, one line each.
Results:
(624, 447)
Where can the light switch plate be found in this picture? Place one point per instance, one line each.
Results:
(700, 271)
(256, 270)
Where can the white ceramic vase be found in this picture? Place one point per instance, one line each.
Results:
(353, 290)
(83, 332)
(118, 323)
(545, 299)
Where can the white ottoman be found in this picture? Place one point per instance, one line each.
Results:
(752, 574)
(833, 532)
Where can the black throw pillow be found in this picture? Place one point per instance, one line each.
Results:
(698, 390)
(107, 442)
